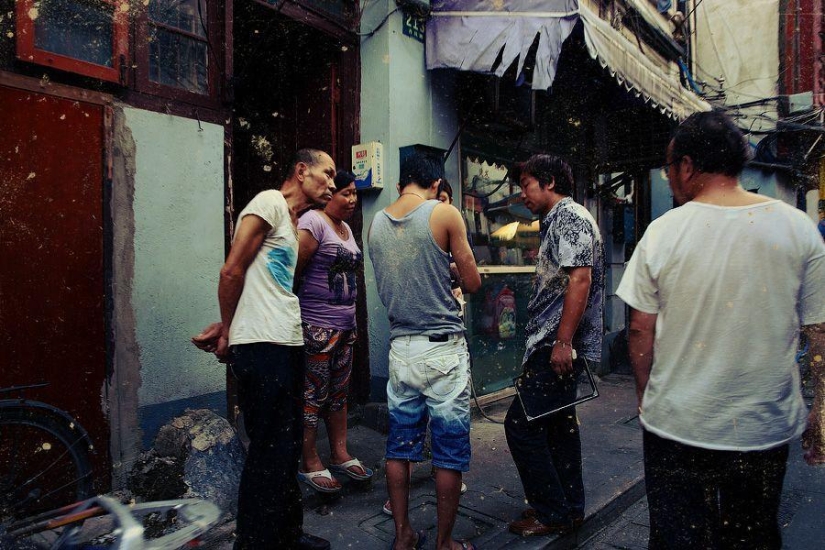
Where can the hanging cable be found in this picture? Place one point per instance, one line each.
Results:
(689, 77)
(381, 24)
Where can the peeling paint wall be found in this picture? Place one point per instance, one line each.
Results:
(121, 391)
(178, 251)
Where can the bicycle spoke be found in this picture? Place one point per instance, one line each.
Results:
(50, 466)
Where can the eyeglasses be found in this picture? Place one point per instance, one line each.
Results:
(671, 163)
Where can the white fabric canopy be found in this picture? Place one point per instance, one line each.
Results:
(470, 35)
(635, 71)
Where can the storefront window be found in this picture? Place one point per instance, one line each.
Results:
(505, 238)
(502, 231)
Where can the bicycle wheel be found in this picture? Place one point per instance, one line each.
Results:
(44, 461)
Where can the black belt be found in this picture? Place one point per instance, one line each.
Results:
(439, 337)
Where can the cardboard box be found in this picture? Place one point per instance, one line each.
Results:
(368, 165)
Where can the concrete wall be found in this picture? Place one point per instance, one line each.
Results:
(770, 184)
(178, 251)
(401, 104)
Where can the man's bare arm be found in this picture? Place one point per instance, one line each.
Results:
(642, 331)
(813, 440)
(575, 303)
(248, 240)
(468, 276)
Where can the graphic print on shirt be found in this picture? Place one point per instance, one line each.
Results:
(341, 276)
(281, 265)
(567, 237)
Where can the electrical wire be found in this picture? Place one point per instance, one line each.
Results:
(696, 5)
(713, 43)
(217, 60)
(475, 398)
(381, 24)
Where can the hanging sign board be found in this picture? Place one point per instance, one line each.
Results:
(368, 165)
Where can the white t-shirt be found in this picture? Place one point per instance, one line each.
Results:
(731, 286)
(268, 311)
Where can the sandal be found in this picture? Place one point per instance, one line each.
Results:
(344, 468)
(419, 543)
(309, 479)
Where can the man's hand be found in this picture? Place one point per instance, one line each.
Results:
(207, 340)
(561, 359)
(212, 340)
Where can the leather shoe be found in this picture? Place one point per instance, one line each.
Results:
(532, 527)
(311, 542)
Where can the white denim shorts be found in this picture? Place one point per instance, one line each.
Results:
(430, 383)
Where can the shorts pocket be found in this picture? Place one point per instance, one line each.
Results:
(443, 373)
(398, 385)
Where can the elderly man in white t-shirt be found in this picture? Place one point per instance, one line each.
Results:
(261, 325)
(719, 289)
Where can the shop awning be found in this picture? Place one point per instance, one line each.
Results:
(472, 35)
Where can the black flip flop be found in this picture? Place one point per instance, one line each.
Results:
(419, 544)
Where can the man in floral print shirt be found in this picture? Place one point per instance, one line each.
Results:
(565, 315)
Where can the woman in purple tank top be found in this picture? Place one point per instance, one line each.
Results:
(328, 260)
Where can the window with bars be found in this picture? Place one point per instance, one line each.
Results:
(177, 36)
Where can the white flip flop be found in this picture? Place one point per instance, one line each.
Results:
(344, 468)
(308, 478)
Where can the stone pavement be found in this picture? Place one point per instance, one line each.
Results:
(612, 455)
(616, 507)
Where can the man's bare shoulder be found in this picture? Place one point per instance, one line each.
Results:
(444, 215)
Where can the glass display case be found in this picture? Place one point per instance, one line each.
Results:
(496, 321)
(504, 236)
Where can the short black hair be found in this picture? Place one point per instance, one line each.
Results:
(446, 188)
(420, 169)
(342, 179)
(714, 143)
(308, 156)
(549, 168)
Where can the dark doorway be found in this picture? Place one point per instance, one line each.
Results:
(295, 86)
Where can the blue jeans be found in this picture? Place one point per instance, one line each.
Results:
(714, 500)
(548, 455)
(270, 395)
